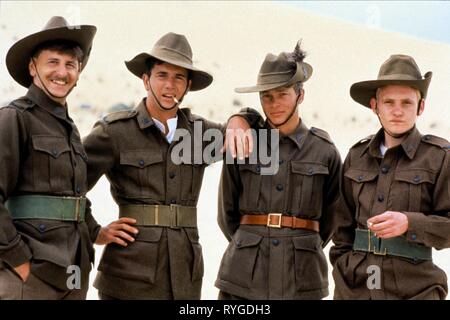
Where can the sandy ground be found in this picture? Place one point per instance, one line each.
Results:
(230, 40)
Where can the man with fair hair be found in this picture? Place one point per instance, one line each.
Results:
(395, 190)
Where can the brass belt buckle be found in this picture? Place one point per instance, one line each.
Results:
(269, 219)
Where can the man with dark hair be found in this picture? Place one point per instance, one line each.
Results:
(160, 256)
(395, 188)
(278, 222)
(45, 236)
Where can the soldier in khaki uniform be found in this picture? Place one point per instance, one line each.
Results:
(43, 226)
(395, 195)
(134, 149)
(277, 224)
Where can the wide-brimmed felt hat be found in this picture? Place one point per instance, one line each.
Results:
(397, 70)
(174, 49)
(280, 71)
(57, 28)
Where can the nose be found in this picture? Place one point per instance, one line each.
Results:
(61, 71)
(169, 83)
(398, 110)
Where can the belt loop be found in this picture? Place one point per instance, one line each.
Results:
(156, 215)
(174, 216)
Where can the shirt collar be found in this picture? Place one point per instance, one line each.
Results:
(297, 136)
(38, 96)
(409, 145)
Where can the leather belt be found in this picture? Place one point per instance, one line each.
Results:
(173, 216)
(278, 220)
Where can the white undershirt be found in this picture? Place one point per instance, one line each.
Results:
(383, 149)
(171, 123)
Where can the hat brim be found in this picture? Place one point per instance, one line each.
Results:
(138, 66)
(19, 55)
(299, 76)
(363, 91)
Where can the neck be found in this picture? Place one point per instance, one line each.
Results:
(61, 101)
(289, 127)
(391, 142)
(159, 114)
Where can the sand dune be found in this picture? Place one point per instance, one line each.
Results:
(230, 40)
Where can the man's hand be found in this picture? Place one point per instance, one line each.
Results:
(117, 232)
(389, 224)
(23, 270)
(238, 138)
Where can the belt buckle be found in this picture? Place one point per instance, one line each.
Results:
(374, 251)
(174, 216)
(77, 209)
(269, 219)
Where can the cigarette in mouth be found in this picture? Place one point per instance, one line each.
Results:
(175, 99)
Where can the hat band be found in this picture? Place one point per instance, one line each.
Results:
(398, 76)
(274, 78)
(162, 53)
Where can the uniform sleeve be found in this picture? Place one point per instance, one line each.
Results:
(252, 117)
(102, 154)
(433, 230)
(229, 190)
(13, 249)
(345, 222)
(331, 196)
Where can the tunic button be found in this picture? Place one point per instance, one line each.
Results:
(360, 178)
(54, 152)
(78, 190)
(385, 169)
(171, 175)
(258, 169)
(279, 187)
(42, 227)
(413, 236)
(416, 179)
(238, 243)
(380, 198)
(173, 201)
(281, 161)
(146, 120)
(28, 101)
(275, 242)
(427, 137)
(141, 162)
(310, 171)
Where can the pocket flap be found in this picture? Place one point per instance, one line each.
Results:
(140, 158)
(308, 243)
(149, 234)
(52, 145)
(308, 168)
(44, 225)
(360, 176)
(255, 168)
(192, 234)
(243, 239)
(415, 176)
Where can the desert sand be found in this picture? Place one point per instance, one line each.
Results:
(230, 40)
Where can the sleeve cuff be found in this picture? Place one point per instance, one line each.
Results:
(416, 227)
(17, 255)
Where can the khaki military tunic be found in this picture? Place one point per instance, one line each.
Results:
(271, 263)
(413, 178)
(41, 154)
(163, 262)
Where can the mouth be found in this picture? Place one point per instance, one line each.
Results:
(59, 82)
(276, 114)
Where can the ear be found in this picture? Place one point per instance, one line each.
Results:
(421, 107)
(373, 105)
(301, 96)
(146, 80)
(32, 68)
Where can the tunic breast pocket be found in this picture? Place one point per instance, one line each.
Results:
(363, 187)
(52, 167)
(306, 185)
(142, 174)
(416, 185)
(251, 184)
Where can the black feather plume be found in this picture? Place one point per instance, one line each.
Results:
(298, 55)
